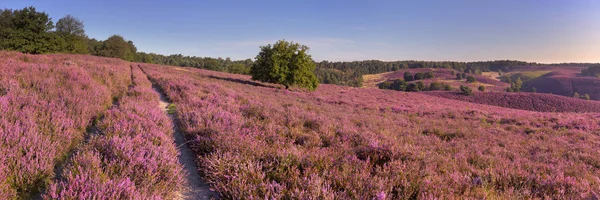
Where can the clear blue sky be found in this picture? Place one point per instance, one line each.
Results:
(461, 30)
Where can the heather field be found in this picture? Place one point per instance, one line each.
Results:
(47, 103)
(84, 127)
(132, 155)
(525, 101)
(258, 141)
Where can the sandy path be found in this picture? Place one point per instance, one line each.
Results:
(196, 187)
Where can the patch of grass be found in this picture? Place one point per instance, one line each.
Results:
(524, 75)
(171, 108)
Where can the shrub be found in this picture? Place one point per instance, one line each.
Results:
(576, 95)
(436, 86)
(458, 76)
(419, 76)
(412, 88)
(421, 86)
(471, 79)
(429, 75)
(466, 90)
(447, 87)
(408, 76)
(398, 84)
(586, 96)
(533, 90)
(481, 88)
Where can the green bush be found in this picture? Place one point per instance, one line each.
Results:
(471, 79)
(466, 90)
(481, 88)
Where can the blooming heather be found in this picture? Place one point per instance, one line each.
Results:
(525, 101)
(257, 141)
(47, 101)
(132, 157)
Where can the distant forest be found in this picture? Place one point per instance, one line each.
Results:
(34, 32)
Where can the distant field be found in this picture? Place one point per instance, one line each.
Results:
(441, 75)
(560, 80)
(524, 75)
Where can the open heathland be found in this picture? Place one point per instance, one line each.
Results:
(256, 140)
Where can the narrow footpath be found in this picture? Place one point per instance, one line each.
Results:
(196, 187)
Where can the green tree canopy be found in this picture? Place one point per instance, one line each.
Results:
(116, 47)
(408, 76)
(71, 30)
(285, 63)
(28, 31)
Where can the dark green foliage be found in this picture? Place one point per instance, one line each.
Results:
(481, 88)
(421, 86)
(466, 90)
(447, 87)
(436, 86)
(28, 31)
(429, 75)
(71, 30)
(459, 76)
(217, 64)
(533, 89)
(412, 88)
(285, 63)
(591, 71)
(419, 76)
(398, 84)
(516, 86)
(471, 79)
(408, 76)
(402, 85)
(116, 47)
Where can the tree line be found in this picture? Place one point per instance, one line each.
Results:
(30, 31)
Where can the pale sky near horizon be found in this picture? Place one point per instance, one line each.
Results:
(546, 31)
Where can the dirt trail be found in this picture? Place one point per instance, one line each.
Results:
(196, 187)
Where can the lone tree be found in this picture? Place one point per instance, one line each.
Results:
(285, 63)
